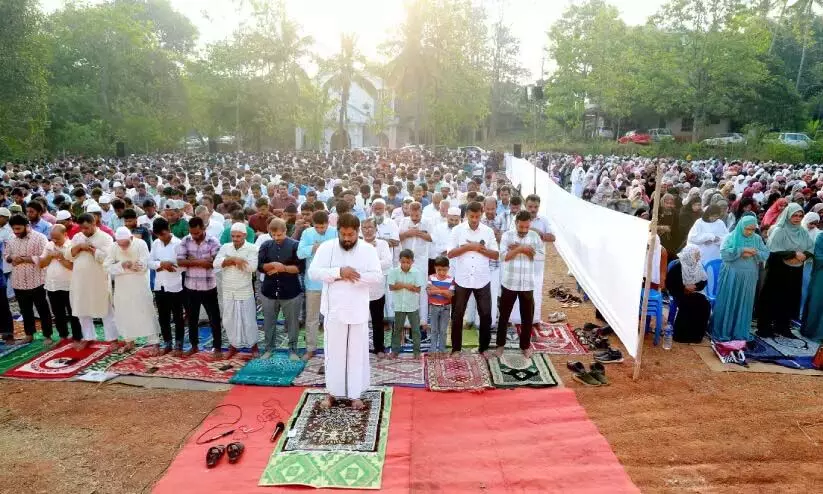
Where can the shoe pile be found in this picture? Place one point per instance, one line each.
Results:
(566, 299)
(595, 376)
(593, 337)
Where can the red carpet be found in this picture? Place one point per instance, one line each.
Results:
(497, 441)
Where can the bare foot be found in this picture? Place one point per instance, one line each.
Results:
(266, 356)
(255, 353)
(218, 355)
(231, 353)
(358, 404)
(528, 352)
(48, 341)
(308, 355)
(154, 352)
(381, 355)
(190, 352)
(28, 339)
(328, 402)
(166, 350)
(499, 351)
(293, 356)
(177, 353)
(81, 345)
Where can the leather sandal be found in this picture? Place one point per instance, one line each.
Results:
(214, 454)
(234, 451)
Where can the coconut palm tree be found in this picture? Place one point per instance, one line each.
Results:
(339, 73)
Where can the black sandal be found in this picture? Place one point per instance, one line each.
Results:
(234, 451)
(214, 454)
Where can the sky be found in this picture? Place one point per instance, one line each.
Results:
(373, 21)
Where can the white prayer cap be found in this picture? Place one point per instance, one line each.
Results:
(5, 212)
(63, 215)
(117, 184)
(105, 199)
(378, 201)
(454, 211)
(408, 199)
(94, 208)
(122, 233)
(238, 227)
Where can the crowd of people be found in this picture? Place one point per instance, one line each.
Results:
(413, 241)
(752, 225)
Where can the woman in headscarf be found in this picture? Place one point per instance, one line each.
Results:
(773, 212)
(604, 192)
(810, 224)
(708, 233)
(689, 213)
(745, 205)
(742, 252)
(667, 224)
(789, 246)
(684, 281)
(812, 321)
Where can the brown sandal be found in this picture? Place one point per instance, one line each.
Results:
(214, 454)
(234, 451)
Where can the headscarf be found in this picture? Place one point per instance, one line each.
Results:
(774, 211)
(817, 208)
(811, 218)
(691, 267)
(785, 236)
(738, 240)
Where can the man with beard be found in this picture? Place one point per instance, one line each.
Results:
(27, 277)
(348, 269)
(415, 235)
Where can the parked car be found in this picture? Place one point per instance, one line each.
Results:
(603, 133)
(635, 137)
(725, 139)
(797, 139)
(659, 135)
(472, 149)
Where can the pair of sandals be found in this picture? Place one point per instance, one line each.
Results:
(555, 317)
(234, 451)
(594, 376)
(592, 339)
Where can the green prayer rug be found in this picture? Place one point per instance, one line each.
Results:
(276, 371)
(22, 355)
(337, 447)
(515, 370)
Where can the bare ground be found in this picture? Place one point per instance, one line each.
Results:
(680, 428)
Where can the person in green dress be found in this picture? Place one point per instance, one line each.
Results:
(812, 323)
(742, 252)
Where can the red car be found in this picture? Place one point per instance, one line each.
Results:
(635, 137)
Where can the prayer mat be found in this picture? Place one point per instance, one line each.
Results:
(312, 373)
(338, 447)
(404, 370)
(60, 362)
(21, 355)
(7, 349)
(793, 347)
(200, 366)
(276, 371)
(555, 339)
(465, 372)
(514, 370)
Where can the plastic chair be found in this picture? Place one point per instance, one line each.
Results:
(655, 310)
(713, 274)
(672, 301)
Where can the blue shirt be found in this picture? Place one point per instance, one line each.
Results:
(43, 227)
(280, 286)
(309, 238)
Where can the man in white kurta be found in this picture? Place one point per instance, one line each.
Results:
(387, 230)
(540, 224)
(416, 235)
(237, 261)
(348, 267)
(127, 262)
(578, 179)
(90, 291)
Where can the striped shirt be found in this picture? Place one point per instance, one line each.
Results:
(518, 273)
(447, 283)
(200, 279)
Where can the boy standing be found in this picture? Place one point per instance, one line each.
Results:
(406, 282)
(440, 290)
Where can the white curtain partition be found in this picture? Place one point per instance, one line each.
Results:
(604, 249)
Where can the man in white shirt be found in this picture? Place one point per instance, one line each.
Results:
(168, 286)
(5, 235)
(348, 268)
(415, 235)
(58, 283)
(377, 292)
(431, 211)
(540, 224)
(471, 246)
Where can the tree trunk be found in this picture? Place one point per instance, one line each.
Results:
(800, 69)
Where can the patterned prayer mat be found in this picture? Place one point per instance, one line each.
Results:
(200, 366)
(405, 370)
(793, 347)
(514, 370)
(61, 362)
(555, 339)
(7, 349)
(337, 447)
(276, 371)
(465, 372)
(21, 355)
(311, 375)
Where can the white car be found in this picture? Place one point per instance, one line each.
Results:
(725, 139)
(472, 149)
(796, 139)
